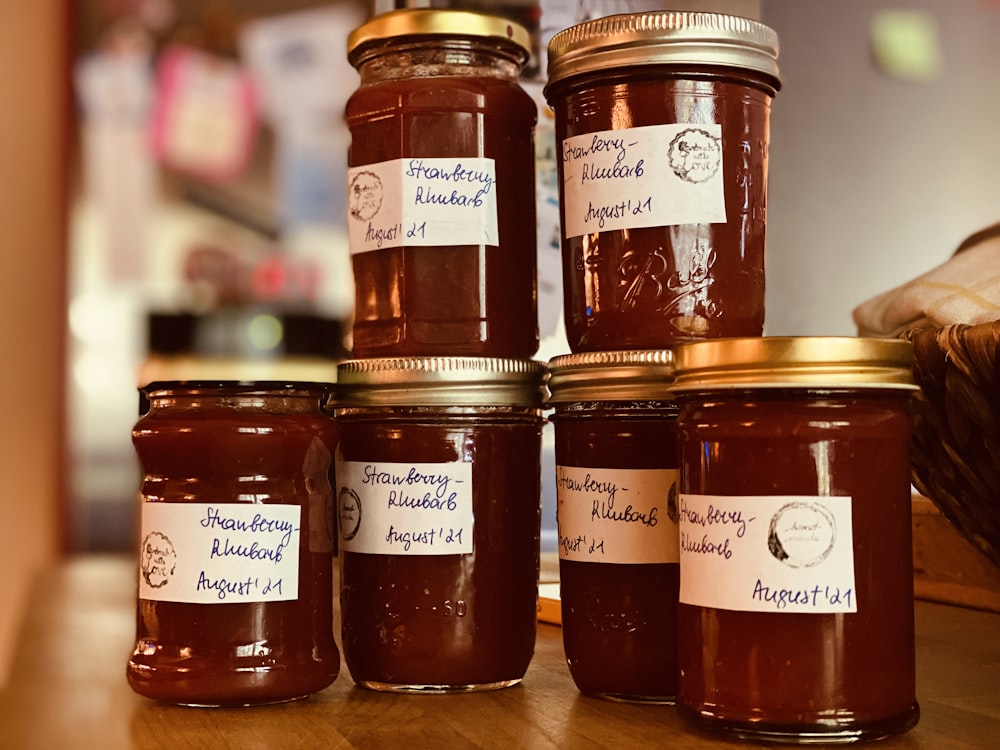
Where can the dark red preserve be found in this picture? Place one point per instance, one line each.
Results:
(616, 488)
(441, 187)
(662, 123)
(438, 504)
(796, 613)
(235, 601)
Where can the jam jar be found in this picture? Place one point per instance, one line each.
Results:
(438, 487)
(662, 123)
(616, 492)
(796, 596)
(441, 187)
(235, 598)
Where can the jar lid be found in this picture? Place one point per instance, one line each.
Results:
(611, 376)
(825, 362)
(439, 381)
(422, 22)
(664, 38)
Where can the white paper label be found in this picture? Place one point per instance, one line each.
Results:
(428, 202)
(767, 553)
(616, 515)
(653, 176)
(405, 509)
(219, 554)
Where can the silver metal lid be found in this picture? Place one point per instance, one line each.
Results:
(611, 376)
(439, 381)
(823, 362)
(664, 38)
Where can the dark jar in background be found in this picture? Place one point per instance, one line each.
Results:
(235, 601)
(616, 488)
(438, 477)
(662, 124)
(796, 600)
(441, 187)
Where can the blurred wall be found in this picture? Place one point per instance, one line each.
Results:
(33, 157)
(874, 177)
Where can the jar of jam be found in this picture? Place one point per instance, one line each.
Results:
(235, 600)
(796, 596)
(441, 187)
(662, 121)
(438, 480)
(616, 489)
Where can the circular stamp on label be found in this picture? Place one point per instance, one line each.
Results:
(801, 534)
(672, 512)
(158, 560)
(365, 195)
(348, 513)
(694, 155)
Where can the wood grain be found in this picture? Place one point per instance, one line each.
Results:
(68, 690)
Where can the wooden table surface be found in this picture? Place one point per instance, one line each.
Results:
(67, 690)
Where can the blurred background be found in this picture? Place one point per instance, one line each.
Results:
(172, 178)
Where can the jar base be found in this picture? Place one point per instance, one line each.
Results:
(221, 688)
(830, 732)
(235, 704)
(661, 700)
(437, 689)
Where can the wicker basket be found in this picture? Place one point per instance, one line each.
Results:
(956, 441)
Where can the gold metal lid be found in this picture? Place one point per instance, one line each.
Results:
(611, 376)
(439, 381)
(422, 22)
(825, 362)
(664, 38)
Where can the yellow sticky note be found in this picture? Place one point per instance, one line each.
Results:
(905, 44)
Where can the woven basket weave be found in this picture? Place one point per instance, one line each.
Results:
(956, 441)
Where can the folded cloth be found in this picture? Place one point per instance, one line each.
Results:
(963, 289)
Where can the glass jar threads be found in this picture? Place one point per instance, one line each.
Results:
(441, 187)
(662, 121)
(796, 596)
(235, 601)
(438, 476)
(616, 489)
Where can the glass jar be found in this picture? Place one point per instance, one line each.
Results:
(662, 121)
(796, 598)
(616, 489)
(438, 476)
(235, 600)
(441, 187)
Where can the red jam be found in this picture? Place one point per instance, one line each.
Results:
(618, 570)
(438, 476)
(663, 126)
(442, 85)
(796, 614)
(235, 479)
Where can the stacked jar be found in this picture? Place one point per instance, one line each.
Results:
(662, 131)
(662, 124)
(439, 412)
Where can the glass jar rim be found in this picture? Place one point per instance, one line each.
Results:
(241, 387)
